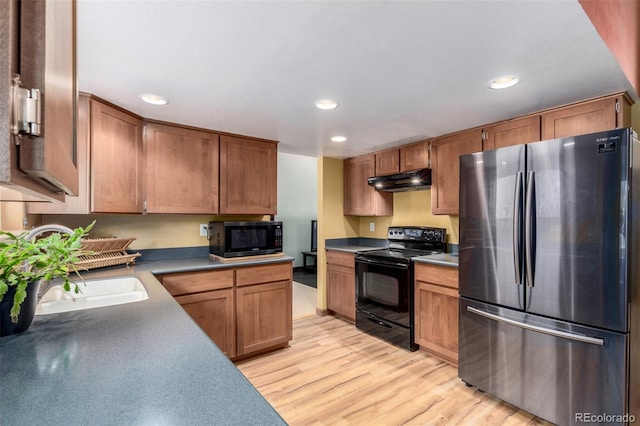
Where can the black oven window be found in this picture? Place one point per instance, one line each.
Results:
(248, 238)
(380, 288)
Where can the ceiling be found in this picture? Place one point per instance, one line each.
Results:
(402, 71)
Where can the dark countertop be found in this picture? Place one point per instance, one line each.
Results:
(444, 259)
(138, 363)
(353, 249)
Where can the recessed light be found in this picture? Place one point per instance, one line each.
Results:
(338, 139)
(504, 82)
(153, 99)
(326, 104)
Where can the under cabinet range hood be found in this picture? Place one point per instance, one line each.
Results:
(402, 182)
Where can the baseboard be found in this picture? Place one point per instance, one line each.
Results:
(322, 312)
(301, 269)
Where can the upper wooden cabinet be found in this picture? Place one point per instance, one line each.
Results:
(445, 162)
(181, 170)
(248, 176)
(414, 156)
(359, 198)
(387, 162)
(116, 160)
(80, 204)
(407, 158)
(37, 43)
(587, 117)
(514, 132)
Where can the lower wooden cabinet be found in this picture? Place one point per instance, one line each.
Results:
(244, 310)
(214, 312)
(436, 310)
(263, 316)
(341, 284)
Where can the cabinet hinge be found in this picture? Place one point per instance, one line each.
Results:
(144, 130)
(617, 106)
(429, 151)
(484, 135)
(27, 109)
(144, 207)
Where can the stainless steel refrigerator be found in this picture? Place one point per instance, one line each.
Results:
(549, 267)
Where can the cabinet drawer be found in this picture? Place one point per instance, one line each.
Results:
(195, 282)
(435, 274)
(263, 274)
(341, 258)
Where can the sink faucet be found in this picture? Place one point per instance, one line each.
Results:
(47, 228)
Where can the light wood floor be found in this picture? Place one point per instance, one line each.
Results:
(333, 374)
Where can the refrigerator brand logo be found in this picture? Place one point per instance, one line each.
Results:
(606, 147)
(604, 418)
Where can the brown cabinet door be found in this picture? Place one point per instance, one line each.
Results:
(341, 284)
(116, 160)
(387, 162)
(436, 320)
(248, 176)
(414, 157)
(263, 314)
(48, 63)
(445, 162)
(514, 132)
(587, 117)
(359, 198)
(213, 311)
(82, 203)
(181, 170)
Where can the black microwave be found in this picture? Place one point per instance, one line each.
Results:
(235, 239)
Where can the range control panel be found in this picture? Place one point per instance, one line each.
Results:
(417, 233)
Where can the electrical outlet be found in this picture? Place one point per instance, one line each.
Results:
(203, 229)
(372, 226)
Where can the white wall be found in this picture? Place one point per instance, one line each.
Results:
(297, 201)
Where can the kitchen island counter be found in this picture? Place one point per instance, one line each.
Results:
(145, 362)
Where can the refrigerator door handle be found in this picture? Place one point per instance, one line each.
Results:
(528, 228)
(517, 203)
(556, 333)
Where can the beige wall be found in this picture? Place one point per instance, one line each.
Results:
(410, 209)
(150, 231)
(11, 216)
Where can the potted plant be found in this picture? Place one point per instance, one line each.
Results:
(24, 262)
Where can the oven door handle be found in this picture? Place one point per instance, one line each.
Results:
(382, 263)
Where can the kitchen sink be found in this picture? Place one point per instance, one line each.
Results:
(93, 294)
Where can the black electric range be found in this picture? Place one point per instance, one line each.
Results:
(384, 283)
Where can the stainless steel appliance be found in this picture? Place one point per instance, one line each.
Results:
(549, 276)
(235, 239)
(384, 283)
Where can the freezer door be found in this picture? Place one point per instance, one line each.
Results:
(576, 229)
(554, 370)
(490, 243)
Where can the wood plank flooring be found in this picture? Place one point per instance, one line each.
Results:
(333, 374)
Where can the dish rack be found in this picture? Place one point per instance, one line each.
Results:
(108, 251)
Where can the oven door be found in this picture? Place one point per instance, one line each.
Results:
(383, 288)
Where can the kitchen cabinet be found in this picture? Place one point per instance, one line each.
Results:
(341, 284)
(407, 158)
(597, 115)
(436, 310)
(445, 164)
(116, 160)
(80, 204)
(414, 156)
(513, 132)
(243, 309)
(37, 43)
(248, 176)
(359, 198)
(207, 296)
(181, 169)
(387, 162)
